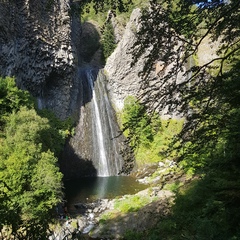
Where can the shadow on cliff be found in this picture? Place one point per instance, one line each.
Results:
(73, 166)
(90, 60)
(90, 47)
(87, 78)
(73, 161)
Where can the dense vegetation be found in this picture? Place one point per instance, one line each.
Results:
(208, 208)
(208, 145)
(148, 135)
(30, 181)
(108, 40)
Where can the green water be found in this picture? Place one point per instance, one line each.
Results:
(90, 189)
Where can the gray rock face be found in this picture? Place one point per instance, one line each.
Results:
(124, 79)
(38, 45)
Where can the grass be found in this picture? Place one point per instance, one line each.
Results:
(157, 149)
(173, 186)
(131, 203)
(107, 216)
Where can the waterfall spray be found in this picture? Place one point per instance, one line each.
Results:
(103, 169)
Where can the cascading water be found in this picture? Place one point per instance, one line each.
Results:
(96, 148)
(99, 146)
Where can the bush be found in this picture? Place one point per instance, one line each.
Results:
(12, 98)
(150, 136)
(138, 126)
(32, 179)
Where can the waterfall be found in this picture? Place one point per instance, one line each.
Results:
(97, 142)
(40, 103)
(97, 124)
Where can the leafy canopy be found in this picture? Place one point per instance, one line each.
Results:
(32, 178)
(209, 99)
(30, 181)
(148, 134)
(177, 30)
(139, 127)
(11, 98)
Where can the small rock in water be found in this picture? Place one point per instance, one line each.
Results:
(88, 228)
(91, 216)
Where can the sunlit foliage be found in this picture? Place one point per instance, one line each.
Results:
(11, 98)
(30, 181)
(140, 128)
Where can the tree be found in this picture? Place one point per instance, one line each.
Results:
(85, 5)
(12, 98)
(108, 40)
(209, 98)
(30, 179)
(177, 28)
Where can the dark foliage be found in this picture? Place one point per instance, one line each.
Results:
(209, 98)
(177, 28)
(120, 5)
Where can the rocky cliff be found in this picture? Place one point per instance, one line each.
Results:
(124, 78)
(45, 47)
(42, 44)
(39, 42)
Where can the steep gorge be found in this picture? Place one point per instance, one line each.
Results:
(46, 48)
(57, 58)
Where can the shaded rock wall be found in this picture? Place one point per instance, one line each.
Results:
(38, 46)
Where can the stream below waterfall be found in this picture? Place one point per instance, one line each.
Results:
(90, 189)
